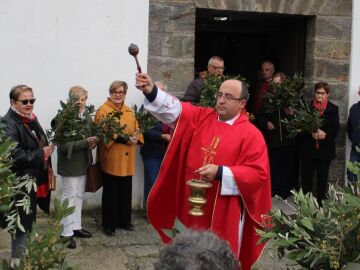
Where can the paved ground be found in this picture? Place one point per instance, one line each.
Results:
(136, 250)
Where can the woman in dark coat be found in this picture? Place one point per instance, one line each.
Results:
(31, 157)
(316, 150)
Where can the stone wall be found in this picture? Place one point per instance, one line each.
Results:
(172, 45)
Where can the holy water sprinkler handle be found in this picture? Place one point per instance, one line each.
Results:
(134, 50)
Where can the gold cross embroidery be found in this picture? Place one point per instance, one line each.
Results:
(209, 152)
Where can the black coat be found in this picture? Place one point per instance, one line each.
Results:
(353, 124)
(277, 137)
(154, 146)
(28, 159)
(326, 151)
(193, 92)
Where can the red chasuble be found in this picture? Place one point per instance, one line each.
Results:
(240, 147)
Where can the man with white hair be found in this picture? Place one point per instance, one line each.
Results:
(267, 72)
(193, 92)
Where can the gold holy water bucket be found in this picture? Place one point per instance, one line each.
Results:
(198, 196)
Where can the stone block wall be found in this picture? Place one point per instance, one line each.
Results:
(172, 46)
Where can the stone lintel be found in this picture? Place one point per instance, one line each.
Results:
(333, 27)
(171, 2)
(172, 18)
(337, 8)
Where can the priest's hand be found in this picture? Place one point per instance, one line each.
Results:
(208, 172)
(144, 82)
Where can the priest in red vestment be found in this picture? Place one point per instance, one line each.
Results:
(220, 146)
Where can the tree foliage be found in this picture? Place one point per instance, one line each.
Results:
(12, 187)
(315, 237)
(285, 94)
(45, 248)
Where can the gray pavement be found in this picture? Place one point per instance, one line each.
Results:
(134, 250)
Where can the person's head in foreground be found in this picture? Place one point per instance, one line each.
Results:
(197, 250)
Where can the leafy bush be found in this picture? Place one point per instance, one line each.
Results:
(326, 237)
(12, 186)
(44, 250)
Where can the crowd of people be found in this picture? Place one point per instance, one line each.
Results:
(309, 152)
(247, 163)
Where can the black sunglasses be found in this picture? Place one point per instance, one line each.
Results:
(26, 101)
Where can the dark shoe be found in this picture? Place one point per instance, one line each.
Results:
(128, 228)
(70, 240)
(109, 232)
(82, 233)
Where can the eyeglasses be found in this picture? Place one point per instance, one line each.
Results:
(26, 101)
(227, 97)
(221, 68)
(118, 92)
(320, 93)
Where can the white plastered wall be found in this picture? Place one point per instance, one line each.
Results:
(51, 45)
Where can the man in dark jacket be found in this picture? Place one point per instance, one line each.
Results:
(353, 130)
(193, 92)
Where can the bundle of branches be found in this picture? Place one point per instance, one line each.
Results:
(305, 119)
(317, 237)
(285, 94)
(144, 118)
(107, 126)
(69, 126)
(211, 87)
(12, 186)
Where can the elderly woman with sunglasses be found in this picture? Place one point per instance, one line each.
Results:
(117, 160)
(31, 157)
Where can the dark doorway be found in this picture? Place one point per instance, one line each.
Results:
(245, 39)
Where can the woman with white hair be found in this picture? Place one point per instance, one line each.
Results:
(74, 158)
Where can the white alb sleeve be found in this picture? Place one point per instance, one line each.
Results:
(228, 185)
(165, 107)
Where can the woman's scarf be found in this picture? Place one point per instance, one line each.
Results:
(25, 118)
(320, 106)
